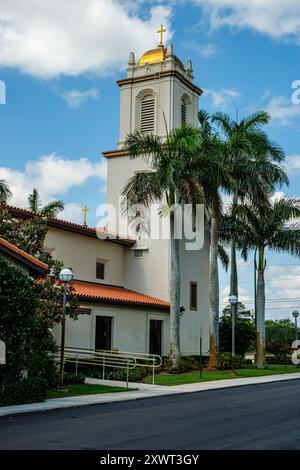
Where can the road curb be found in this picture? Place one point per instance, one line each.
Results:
(144, 392)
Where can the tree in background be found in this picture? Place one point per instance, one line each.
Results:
(272, 227)
(50, 210)
(255, 165)
(242, 312)
(280, 335)
(245, 330)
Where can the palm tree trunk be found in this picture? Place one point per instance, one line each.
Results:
(260, 312)
(174, 355)
(233, 270)
(214, 295)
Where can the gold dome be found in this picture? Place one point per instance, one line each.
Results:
(153, 56)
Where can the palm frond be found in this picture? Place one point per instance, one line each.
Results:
(223, 257)
(143, 188)
(34, 202)
(5, 192)
(53, 208)
(143, 145)
(286, 240)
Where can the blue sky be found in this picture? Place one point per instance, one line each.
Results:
(62, 104)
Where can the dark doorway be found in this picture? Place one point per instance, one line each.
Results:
(155, 337)
(103, 332)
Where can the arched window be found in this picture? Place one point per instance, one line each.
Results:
(147, 114)
(183, 112)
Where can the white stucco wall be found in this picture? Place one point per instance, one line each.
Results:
(195, 268)
(130, 328)
(80, 253)
(167, 92)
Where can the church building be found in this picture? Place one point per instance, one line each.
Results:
(123, 282)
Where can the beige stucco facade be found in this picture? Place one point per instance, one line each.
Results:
(81, 253)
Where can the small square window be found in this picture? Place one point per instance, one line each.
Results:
(100, 270)
(138, 253)
(193, 296)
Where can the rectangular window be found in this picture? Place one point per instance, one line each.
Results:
(138, 253)
(100, 270)
(193, 296)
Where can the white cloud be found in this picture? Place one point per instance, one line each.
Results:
(275, 18)
(282, 110)
(293, 162)
(244, 297)
(203, 50)
(52, 37)
(72, 212)
(76, 98)
(53, 175)
(282, 290)
(277, 196)
(222, 98)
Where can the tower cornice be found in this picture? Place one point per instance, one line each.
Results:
(167, 73)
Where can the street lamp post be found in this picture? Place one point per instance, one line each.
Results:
(66, 276)
(296, 315)
(233, 301)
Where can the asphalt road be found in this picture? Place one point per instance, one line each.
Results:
(250, 417)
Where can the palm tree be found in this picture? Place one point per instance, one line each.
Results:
(272, 227)
(173, 177)
(5, 192)
(213, 184)
(50, 210)
(255, 165)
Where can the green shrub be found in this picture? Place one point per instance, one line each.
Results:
(23, 391)
(193, 362)
(279, 359)
(43, 366)
(187, 363)
(111, 373)
(72, 378)
(225, 361)
(17, 319)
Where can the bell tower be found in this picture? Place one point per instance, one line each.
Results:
(158, 93)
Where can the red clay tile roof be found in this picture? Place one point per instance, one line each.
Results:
(22, 256)
(99, 232)
(116, 295)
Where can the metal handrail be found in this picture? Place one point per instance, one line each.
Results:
(113, 358)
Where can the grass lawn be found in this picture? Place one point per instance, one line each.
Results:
(194, 376)
(85, 389)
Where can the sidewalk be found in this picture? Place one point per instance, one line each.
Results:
(144, 391)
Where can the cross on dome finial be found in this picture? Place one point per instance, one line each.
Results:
(161, 31)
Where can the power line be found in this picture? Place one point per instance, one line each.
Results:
(268, 280)
(270, 301)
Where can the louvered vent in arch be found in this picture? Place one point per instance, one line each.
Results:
(183, 113)
(147, 114)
